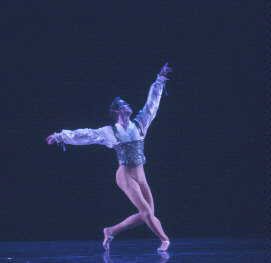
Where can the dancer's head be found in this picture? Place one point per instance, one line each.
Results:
(119, 108)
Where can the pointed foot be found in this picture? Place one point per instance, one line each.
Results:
(164, 246)
(108, 237)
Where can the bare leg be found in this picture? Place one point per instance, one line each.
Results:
(130, 222)
(135, 219)
(136, 187)
(132, 189)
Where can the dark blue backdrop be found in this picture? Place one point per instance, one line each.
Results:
(64, 62)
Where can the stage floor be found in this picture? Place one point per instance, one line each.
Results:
(185, 250)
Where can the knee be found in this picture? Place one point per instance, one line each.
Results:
(146, 214)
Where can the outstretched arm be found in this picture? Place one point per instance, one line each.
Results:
(148, 113)
(84, 136)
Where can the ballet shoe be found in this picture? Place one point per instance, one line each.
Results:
(164, 246)
(107, 240)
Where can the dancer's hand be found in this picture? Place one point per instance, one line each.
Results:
(165, 70)
(50, 139)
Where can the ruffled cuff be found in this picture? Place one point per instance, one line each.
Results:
(59, 140)
(161, 78)
(57, 137)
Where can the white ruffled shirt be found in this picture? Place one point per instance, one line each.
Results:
(105, 135)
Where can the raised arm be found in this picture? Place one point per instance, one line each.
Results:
(145, 116)
(84, 136)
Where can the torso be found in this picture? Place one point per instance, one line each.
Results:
(130, 133)
(130, 147)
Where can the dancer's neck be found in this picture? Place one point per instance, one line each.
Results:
(124, 122)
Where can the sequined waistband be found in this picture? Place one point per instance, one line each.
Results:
(131, 153)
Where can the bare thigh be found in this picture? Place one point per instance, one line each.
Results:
(133, 191)
(140, 178)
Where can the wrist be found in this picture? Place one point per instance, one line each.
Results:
(161, 78)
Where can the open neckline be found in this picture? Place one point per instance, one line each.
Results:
(128, 126)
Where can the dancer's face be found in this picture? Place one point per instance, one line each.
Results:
(121, 109)
(125, 110)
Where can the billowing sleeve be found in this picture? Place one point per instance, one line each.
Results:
(86, 136)
(145, 116)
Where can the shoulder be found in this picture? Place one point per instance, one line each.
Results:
(138, 124)
(107, 133)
